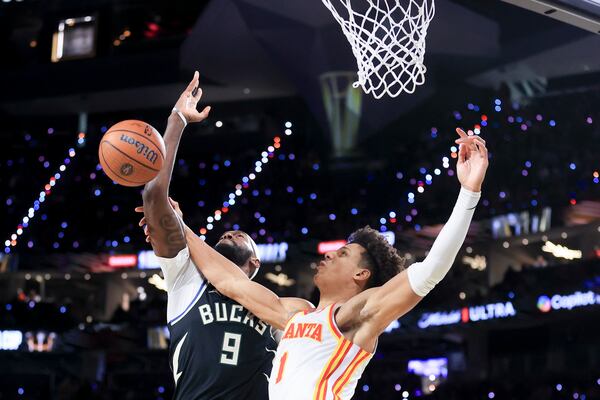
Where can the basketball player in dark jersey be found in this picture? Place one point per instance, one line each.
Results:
(218, 349)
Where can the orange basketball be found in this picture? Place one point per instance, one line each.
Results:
(131, 153)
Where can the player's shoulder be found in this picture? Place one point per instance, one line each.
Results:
(296, 304)
(173, 263)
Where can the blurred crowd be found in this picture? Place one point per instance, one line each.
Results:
(543, 154)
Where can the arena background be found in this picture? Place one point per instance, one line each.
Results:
(82, 313)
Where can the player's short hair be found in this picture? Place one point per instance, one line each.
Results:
(380, 257)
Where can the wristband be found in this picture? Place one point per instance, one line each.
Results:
(180, 114)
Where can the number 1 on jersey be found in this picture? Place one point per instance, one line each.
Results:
(231, 348)
(281, 367)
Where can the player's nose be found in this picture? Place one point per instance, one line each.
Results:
(228, 235)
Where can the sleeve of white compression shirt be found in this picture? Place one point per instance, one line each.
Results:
(423, 276)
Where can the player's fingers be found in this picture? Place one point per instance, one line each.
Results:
(142, 222)
(480, 142)
(462, 153)
(193, 83)
(139, 209)
(187, 93)
(200, 116)
(205, 112)
(471, 140)
(484, 152)
(478, 139)
(197, 93)
(461, 133)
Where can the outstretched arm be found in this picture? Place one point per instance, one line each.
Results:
(167, 235)
(232, 282)
(380, 306)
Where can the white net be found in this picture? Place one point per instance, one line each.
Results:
(388, 41)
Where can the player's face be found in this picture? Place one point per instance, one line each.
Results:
(339, 267)
(236, 246)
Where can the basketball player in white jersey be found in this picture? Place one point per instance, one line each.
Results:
(363, 288)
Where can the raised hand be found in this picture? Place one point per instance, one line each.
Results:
(472, 160)
(188, 101)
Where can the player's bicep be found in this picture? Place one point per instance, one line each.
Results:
(166, 230)
(389, 302)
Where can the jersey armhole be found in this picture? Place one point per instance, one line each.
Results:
(332, 324)
(173, 321)
(294, 315)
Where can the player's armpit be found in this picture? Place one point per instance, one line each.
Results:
(388, 303)
(367, 314)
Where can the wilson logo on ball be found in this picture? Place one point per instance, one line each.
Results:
(150, 155)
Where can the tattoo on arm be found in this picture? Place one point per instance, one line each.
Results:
(169, 234)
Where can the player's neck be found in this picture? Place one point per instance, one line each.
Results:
(328, 299)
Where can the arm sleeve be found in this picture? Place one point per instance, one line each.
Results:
(423, 276)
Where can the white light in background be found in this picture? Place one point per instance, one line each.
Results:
(477, 262)
(560, 251)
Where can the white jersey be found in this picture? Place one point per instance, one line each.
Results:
(314, 361)
(184, 283)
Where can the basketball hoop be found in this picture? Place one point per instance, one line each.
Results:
(388, 41)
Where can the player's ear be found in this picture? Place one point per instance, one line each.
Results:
(362, 275)
(253, 266)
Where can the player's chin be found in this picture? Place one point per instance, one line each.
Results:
(317, 278)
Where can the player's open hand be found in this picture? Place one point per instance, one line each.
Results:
(143, 224)
(188, 101)
(472, 160)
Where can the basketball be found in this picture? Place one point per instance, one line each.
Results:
(131, 153)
